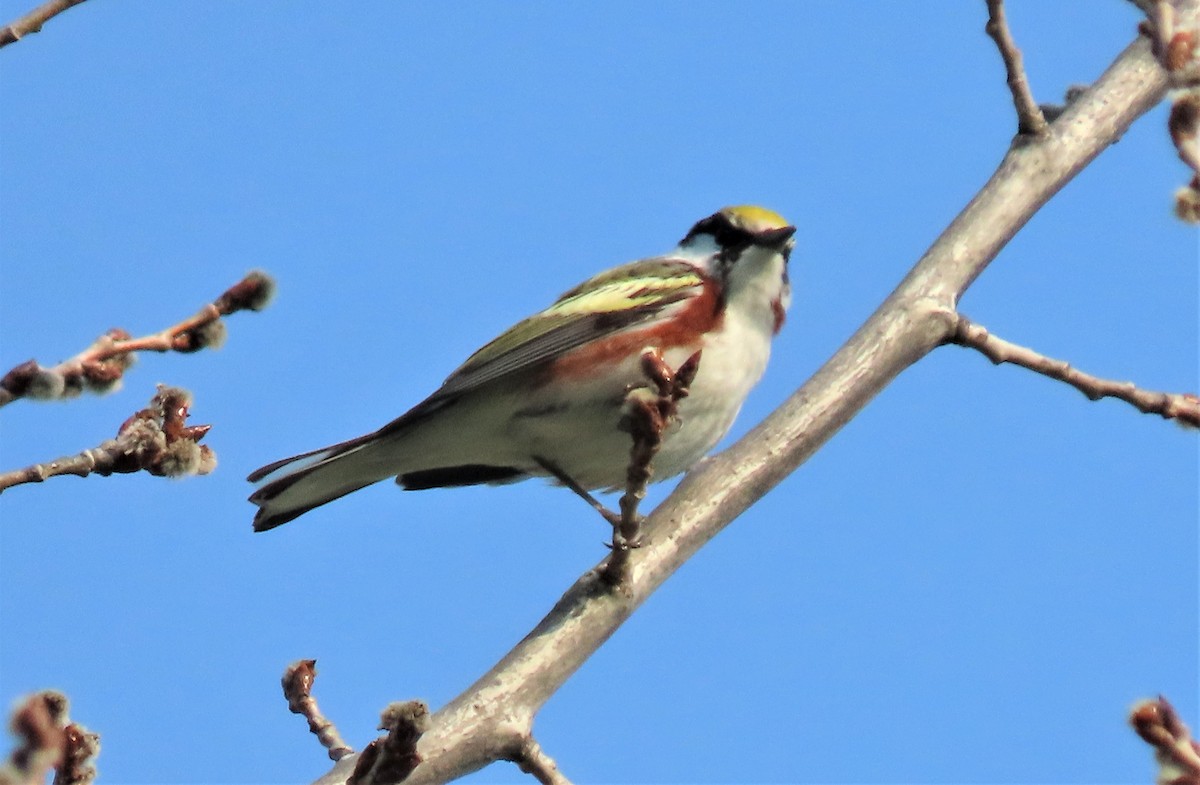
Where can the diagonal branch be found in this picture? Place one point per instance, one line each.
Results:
(1030, 120)
(493, 716)
(1182, 407)
(32, 22)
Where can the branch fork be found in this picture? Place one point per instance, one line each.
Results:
(1031, 122)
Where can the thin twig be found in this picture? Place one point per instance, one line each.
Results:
(101, 366)
(1184, 408)
(1030, 120)
(651, 411)
(32, 22)
(1177, 754)
(532, 759)
(155, 439)
(297, 682)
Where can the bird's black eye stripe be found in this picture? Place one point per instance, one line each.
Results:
(734, 239)
(728, 236)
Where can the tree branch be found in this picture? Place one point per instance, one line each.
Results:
(32, 22)
(1030, 120)
(155, 439)
(494, 715)
(1182, 407)
(101, 366)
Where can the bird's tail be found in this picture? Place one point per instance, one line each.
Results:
(295, 485)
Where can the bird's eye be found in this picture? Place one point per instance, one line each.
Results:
(728, 236)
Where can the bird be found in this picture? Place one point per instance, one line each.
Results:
(546, 398)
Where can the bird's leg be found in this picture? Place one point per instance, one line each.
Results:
(567, 480)
(650, 411)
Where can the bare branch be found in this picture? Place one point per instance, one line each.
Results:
(101, 366)
(297, 681)
(1030, 120)
(1184, 408)
(1178, 756)
(155, 439)
(32, 22)
(532, 759)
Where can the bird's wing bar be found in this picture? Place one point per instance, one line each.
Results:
(612, 301)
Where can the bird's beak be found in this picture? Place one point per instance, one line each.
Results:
(775, 238)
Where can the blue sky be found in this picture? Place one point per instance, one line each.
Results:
(971, 582)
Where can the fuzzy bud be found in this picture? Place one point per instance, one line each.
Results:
(208, 460)
(17, 380)
(104, 376)
(144, 439)
(210, 335)
(180, 459)
(254, 292)
(46, 384)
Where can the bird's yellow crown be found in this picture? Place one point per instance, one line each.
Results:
(753, 218)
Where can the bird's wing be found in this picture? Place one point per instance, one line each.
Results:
(632, 294)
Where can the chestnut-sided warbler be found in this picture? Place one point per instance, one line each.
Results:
(551, 391)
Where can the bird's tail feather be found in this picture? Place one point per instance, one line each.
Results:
(295, 485)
